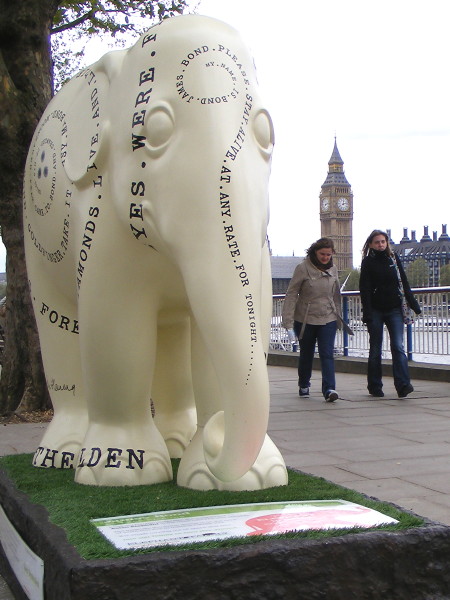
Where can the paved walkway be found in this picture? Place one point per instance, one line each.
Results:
(394, 450)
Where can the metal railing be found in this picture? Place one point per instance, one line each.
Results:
(427, 339)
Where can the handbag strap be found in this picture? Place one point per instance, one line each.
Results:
(406, 309)
(400, 282)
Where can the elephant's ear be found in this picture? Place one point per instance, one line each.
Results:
(85, 133)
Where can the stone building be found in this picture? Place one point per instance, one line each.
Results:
(283, 268)
(434, 250)
(336, 211)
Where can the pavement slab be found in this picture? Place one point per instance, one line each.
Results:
(397, 450)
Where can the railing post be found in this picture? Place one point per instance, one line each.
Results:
(345, 318)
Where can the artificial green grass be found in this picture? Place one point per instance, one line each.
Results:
(71, 506)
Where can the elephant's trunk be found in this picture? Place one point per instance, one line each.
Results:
(233, 438)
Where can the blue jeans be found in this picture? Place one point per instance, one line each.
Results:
(324, 335)
(394, 323)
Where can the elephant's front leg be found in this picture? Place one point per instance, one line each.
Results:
(118, 346)
(172, 393)
(56, 317)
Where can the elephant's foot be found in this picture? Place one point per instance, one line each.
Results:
(61, 443)
(268, 470)
(130, 454)
(177, 430)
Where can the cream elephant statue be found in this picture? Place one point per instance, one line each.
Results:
(145, 216)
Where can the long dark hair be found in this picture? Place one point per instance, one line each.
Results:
(375, 232)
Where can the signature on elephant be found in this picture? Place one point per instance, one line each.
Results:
(145, 214)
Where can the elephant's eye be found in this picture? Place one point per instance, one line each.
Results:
(159, 127)
(263, 130)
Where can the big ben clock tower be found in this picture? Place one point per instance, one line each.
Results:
(336, 211)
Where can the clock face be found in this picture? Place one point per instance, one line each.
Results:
(343, 204)
(325, 203)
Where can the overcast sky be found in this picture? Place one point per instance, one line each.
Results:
(376, 75)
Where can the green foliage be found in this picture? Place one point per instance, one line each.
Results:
(112, 16)
(444, 275)
(418, 273)
(71, 505)
(66, 59)
(115, 20)
(352, 283)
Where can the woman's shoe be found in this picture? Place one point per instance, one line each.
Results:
(377, 393)
(331, 396)
(405, 390)
(303, 392)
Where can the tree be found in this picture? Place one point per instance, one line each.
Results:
(26, 87)
(444, 275)
(418, 273)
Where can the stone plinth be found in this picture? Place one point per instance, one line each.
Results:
(407, 565)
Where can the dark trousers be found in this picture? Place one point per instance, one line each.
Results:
(395, 326)
(324, 336)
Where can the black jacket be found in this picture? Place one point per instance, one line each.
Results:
(378, 284)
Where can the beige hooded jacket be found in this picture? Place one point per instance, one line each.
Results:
(313, 296)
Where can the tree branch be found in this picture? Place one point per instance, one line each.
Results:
(89, 15)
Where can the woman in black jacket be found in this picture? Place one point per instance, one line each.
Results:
(382, 304)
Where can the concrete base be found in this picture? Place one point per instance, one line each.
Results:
(386, 565)
(351, 364)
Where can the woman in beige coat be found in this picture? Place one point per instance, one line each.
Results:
(312, 307)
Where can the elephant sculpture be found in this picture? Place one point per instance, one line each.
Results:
(145, 217)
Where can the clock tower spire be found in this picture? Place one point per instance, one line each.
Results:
(336, 210)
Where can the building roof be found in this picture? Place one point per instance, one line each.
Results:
(414, 248)
(444, 237)
(335, 156)
(283, 266)
(336, 175)
(420, 249)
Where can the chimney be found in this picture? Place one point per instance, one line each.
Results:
(425, 237)
(391, 241)
(444, 235)
(405, 238)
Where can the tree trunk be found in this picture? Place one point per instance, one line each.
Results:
(25, 90)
